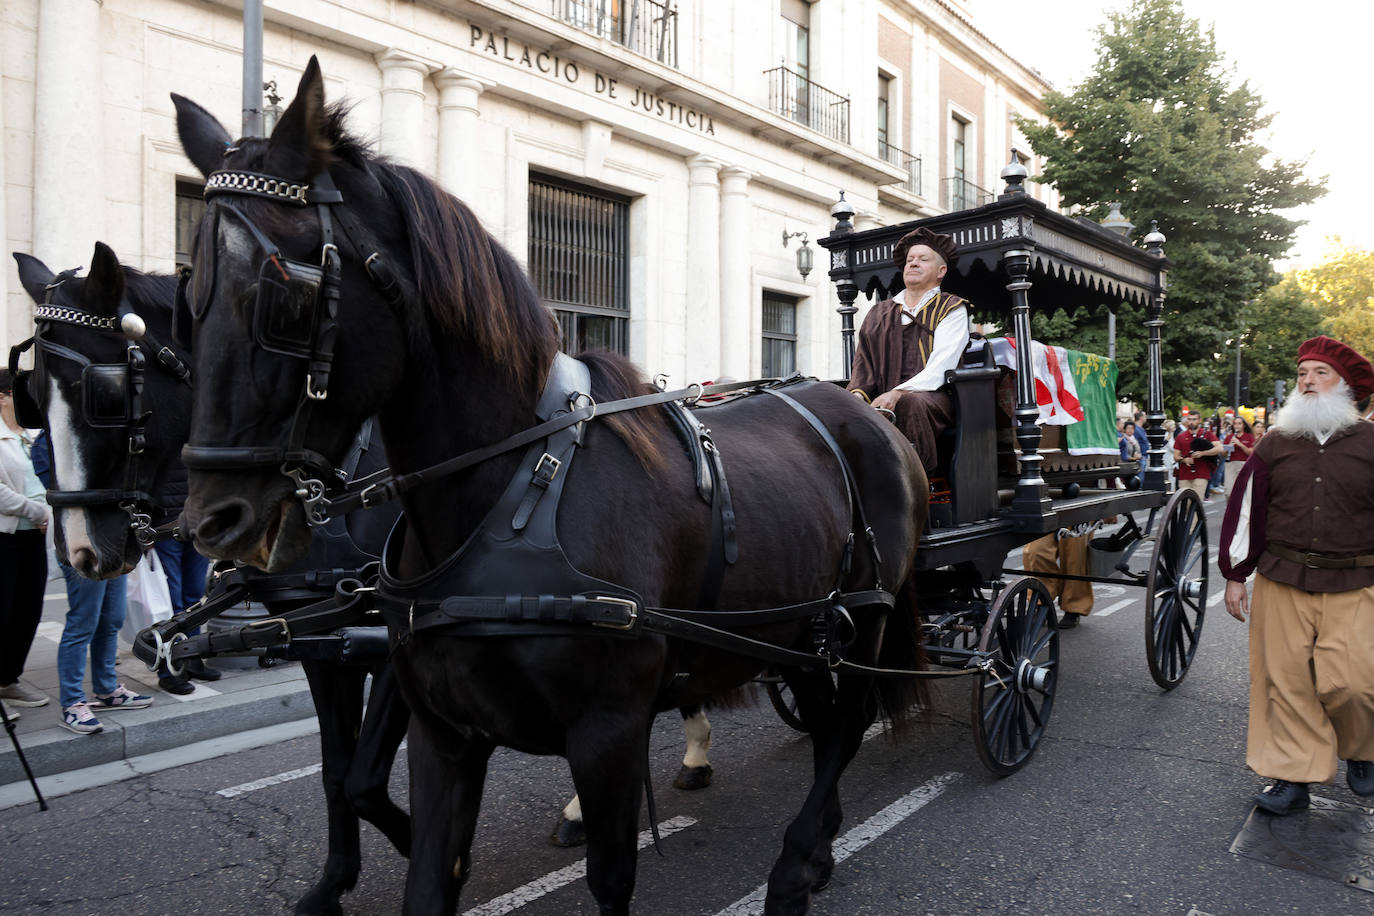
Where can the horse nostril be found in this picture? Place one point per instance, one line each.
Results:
(225, 523)
(83, 561)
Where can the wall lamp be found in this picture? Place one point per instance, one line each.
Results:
(804, 253)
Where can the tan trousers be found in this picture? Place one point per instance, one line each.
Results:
(1311, 681)
(1067, 556)
(1198, 486)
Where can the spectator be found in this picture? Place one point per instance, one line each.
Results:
(1299, 518)
(1240, 444)
(185, 570)
(95, 612)
(1258, 429)
(23, 554)
(1195, 452)
(1130, 448)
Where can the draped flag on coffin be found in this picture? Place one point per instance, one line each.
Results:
(1072, 389)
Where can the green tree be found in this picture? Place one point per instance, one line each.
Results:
(1276, 323)
(1160, 126)
(1342, 288)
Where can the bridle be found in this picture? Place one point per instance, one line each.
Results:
(294, 314)
(111, 397)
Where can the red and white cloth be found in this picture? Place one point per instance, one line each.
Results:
(1055, 392)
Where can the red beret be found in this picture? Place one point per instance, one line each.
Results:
(943, 245)
(1354, 368)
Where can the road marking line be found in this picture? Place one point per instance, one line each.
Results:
(859, 837)
(50, 629)
(1112, 608)
(255, 785)
(554, 880)
(1216, 596)
(202, 692)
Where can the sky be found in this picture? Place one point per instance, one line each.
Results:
(1309, 62)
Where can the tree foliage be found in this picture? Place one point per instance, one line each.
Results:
(1161, 127)
(1341, 287)
(1276, 323)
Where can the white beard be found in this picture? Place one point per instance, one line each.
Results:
(1318, 416)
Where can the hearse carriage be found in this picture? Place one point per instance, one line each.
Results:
(1011, 481)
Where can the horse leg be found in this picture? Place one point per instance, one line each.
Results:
(696, 768)
(338, 694)
(607, 765)
(384, 726)
(446, 778)
(695, 774)
(837, 724)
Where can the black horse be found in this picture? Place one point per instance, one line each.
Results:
(105, 490)
(419, 317)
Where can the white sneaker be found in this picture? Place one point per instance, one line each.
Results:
(11, 714)
(78, 718)
(19, 695)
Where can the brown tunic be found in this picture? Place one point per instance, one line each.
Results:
(888, 353)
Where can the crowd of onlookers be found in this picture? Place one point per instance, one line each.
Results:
(1203, 454)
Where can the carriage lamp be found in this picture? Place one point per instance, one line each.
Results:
(272, 112)
(1115, 222)
(804, 252)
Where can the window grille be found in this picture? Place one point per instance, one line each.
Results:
(779, 335)
(190, 206)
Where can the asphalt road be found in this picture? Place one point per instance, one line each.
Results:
(1130, 806)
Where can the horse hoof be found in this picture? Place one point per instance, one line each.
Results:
(693, 778)
(568, 833)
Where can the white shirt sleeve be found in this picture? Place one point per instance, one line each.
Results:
(951, 339)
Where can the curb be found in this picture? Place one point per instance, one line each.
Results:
(160, 727)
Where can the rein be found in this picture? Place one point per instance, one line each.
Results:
(136, 502)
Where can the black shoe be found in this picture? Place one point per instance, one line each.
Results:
(1068, 621)
(1283, 797)
(177, 685)
(197, 669)
(1359, 775)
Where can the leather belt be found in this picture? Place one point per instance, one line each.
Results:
(1319, 560)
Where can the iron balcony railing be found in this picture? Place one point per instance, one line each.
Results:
(647, 27)
(961, 194)
(903, 160)
(794, 96)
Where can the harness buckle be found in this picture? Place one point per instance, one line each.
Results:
(310, 392)
(630, 607)
(546, 470)
(366, 498)
(271, 622)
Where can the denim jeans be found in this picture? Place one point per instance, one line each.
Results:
(95, 612)
(185, 570)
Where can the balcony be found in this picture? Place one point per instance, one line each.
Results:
(794, 96)
(965, 195)
(646, 27)
(909, 163)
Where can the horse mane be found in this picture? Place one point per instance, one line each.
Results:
(149, 290)
(468, 284)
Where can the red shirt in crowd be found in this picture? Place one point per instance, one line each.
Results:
(1246, 439)
(1202, 468)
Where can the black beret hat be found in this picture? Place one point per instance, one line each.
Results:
(943, 245)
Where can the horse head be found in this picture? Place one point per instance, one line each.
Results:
(331, 282)
(290, 338)
(108, 396)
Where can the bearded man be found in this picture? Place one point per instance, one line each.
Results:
(907, 343)
(1302, 517)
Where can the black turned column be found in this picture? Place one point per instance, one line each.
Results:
(843, 278)
(1032, 497)
(1155, 478)
(848, 293)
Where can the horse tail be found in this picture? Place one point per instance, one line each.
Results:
(902, 698)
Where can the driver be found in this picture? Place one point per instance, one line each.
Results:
(907, 342)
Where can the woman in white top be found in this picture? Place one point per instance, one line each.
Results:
(23, 554)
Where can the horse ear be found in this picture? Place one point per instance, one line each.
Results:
(34, 275)
(202, 136)
(104, 285)
(300, 146)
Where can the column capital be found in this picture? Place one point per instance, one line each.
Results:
(733, 179)
(395, 59)
(453, 78)
(703, 169)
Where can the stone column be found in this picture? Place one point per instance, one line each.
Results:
(68, 173)
(403, 101)
(702, 321)
(737, 330)
(458, 147)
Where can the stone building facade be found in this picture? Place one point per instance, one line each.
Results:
(644, 157)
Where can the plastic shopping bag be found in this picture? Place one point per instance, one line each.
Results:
(149, 601)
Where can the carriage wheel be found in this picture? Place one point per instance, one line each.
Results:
(1176, 591)
(1012, 699)
(780, 695)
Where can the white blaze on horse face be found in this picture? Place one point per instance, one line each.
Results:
(69, 469)
(698, 730)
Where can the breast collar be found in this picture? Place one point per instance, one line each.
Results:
(514, 552)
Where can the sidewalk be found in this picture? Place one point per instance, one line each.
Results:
(247, 697)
